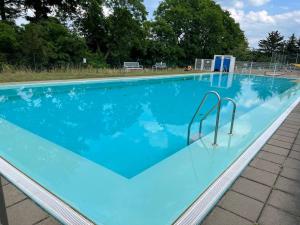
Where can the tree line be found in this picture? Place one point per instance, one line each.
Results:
(109, 32)
(275, 43)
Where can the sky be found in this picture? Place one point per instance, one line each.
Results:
(258, 17)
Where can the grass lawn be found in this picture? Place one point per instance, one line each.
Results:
(26, 76)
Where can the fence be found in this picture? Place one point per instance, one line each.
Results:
(266, 68)
(277, 65)
(203, 64)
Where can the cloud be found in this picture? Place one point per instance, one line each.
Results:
(258, 2)
(257, 24)
(239, 4)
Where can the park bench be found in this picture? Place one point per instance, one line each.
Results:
(132, 66)
(160, 65)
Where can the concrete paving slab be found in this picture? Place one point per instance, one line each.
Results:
(25, 213)
(252, 189)
(241, 205)
(49, 221)
(4, 181)
(289, 186)
(265, 165)
(273, 216)
(259, 176)
(294, 155)
(292, 122)
(296, 148)
(281, 144)
(279, 159)
(286, 134)
(294, 116)
(285, 202)
(12, 195)
(222, 217)
(289, 128)
(283, 138)
(276, 150)
(290, 173)
(292, 163)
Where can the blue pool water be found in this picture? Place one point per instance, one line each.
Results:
(125, 141)
(127, 127)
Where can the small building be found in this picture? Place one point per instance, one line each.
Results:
(223, 63)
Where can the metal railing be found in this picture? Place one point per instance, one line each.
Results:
(245, 67)
(217, 107)
(232, 114)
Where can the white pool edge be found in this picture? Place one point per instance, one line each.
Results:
(204, 204)
(95, 80)
(46, 200)
(27, 84)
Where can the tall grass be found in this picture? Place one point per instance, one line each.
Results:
(13, 74)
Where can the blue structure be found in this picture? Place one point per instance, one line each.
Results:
(223, 63)
(218, 64)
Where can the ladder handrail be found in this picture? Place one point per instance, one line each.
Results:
(218, 105)
(233, 113)
(205, 116)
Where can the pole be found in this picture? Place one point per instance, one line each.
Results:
(3, 214)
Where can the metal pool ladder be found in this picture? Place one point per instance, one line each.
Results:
(217, 107)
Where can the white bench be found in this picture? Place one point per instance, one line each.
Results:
(132, 66)
(160, 65)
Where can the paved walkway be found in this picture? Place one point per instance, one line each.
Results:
(21, 210)
(267, 192)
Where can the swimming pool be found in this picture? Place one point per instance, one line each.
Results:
(116, 150)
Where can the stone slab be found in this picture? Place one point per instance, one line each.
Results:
(241, 205)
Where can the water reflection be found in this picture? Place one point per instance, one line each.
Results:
(128, 127)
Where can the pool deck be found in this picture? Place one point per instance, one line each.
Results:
(266, 193)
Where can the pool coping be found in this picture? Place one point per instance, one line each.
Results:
(46, 200)
(94, 80)
(193, 215)
(119, 78)
(208, 199)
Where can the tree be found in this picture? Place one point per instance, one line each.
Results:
(92, 25)
(162, 44)
(298, 45)
(48, 43)
(291, 45)
(114, 31)
(42, 8)
(126, 34)
(9, 44)
(10, 9)
(274, 43)
(200, 28)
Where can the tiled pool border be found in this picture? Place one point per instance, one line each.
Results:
(193, 215)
